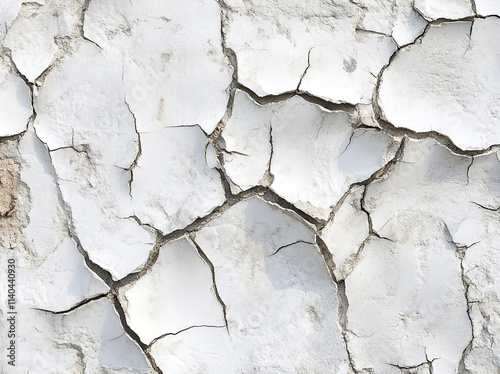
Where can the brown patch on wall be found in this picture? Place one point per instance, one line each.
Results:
(9, 187)
(12, 217)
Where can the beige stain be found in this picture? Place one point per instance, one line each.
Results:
(9, 187)
(159, 114)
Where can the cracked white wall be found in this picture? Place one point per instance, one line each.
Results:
(251, 186)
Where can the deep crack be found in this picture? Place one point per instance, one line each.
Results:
(74, 307)
(214, 282)
(113, 297)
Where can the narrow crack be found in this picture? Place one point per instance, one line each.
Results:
(402, 367)
(228, 52)
(188, 126)
(102, 273)
(297, 90)
(214, 283)
(289, 245)
(343, 322)
(81, 148)
(468, 169)
(234, 152)
(140, 223)
(470, 37)
(348, 144)
(139, 151)
(269, 176)
(359, 29)
(327, 257)
(486, 207)
(460, 251)
(362, 246)
(343, 302)
(181, 331)
(215, 138)
(41, 77)
(219, 145)
(371, 231)
(342, 318)
(337, 206)
(76, 306)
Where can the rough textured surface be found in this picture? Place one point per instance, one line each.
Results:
(279, 301)
(242, 187)
(448, 87)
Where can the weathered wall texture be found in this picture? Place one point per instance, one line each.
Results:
(299, 187)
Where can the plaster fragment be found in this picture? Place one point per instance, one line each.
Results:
(487, 8)
(15, 101)
(447, 87)
(412, 289)
(346, 231)
(158, 42)
(174, 158)
(449, 9)
(175, 294)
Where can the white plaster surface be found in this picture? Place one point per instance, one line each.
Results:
(249, 187)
